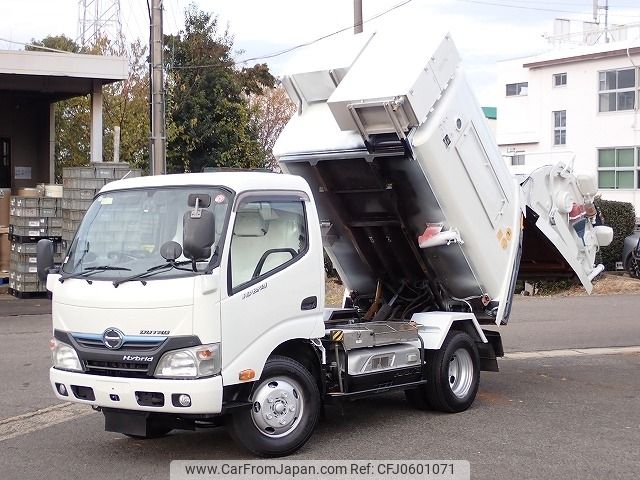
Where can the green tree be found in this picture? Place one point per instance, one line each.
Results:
(209, 122)
(270, 112)
(58, 42)
(126, 105)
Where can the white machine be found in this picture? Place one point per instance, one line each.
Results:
(198, 299)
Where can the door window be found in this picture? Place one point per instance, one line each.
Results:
(267, 235)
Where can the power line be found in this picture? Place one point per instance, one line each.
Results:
(296, 47)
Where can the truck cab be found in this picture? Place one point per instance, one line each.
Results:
(156, 289)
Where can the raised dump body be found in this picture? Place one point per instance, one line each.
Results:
(419, 211)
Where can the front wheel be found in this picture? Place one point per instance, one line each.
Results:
(453, 376)
(285, 410)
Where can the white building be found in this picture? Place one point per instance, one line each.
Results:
(577, 104)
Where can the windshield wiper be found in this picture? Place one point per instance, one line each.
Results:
(152, 271)
(91, 271)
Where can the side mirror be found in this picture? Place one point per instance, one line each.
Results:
(198, 234)
(170, 251)
(44, 253)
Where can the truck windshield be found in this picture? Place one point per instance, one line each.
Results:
(123, 230)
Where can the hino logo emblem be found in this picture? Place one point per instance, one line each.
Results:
(112, 338)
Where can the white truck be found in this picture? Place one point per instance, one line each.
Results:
(192, 300)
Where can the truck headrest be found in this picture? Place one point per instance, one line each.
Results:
(250, 224)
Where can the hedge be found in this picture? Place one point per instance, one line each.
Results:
(620, 216)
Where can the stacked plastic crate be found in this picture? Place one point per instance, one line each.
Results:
(31, 219)
(81, 184)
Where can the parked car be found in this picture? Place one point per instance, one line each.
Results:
(631, 254)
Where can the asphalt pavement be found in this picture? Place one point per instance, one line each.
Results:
(552, 417)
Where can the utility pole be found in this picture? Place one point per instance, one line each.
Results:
(606, 21)
(357, 16)
(158, 137)
(596, 7)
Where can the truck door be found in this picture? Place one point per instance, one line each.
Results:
(559, 237)
(275, 278)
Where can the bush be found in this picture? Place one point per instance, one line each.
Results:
(620, 216)
(554, 287)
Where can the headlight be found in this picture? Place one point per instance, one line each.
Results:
(64, 356)
(194, 362)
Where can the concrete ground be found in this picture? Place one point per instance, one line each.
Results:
(543, 417)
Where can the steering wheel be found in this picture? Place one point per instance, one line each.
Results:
(131, 255)
(265, 255)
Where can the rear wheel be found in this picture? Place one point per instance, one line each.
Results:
(285, 410)
(453, 376)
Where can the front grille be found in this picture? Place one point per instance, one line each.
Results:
(117, 369)
(137, 345)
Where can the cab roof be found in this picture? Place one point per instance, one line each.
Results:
(238, 181)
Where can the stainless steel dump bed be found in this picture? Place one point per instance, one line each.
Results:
(410, 186)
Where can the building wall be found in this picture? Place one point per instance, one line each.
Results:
(525, 123)
(25, 122)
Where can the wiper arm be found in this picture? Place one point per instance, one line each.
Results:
(105, 267)
(91, 271)
(153, 271)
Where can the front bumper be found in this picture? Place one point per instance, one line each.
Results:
(120, 393)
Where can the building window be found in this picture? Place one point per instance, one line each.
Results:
(559, 79)
(517, 159)
(517, 89)
(617, 90)
(560, 127)
(618, 168)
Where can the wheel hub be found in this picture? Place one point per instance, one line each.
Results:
(460, 373)
(277, 407)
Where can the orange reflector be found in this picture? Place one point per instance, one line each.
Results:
(204, 354)
(52, 343)
(247, 374)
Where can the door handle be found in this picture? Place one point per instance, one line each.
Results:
(309, 303)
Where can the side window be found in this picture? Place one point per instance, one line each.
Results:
(266, 235)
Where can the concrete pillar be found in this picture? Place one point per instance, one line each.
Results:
(96, 122)
(52, 142)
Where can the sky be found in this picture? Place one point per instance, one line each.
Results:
(485, 31)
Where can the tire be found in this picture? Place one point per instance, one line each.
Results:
(453, 376)
(286, 391)
(632, 267)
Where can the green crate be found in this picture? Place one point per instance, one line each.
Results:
(28, 202)
(80, 194)
(49, 212)
(50, 202)
(27, 231)
(35, 222)
(24, 211)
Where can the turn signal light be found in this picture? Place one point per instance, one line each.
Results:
(247, 374)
